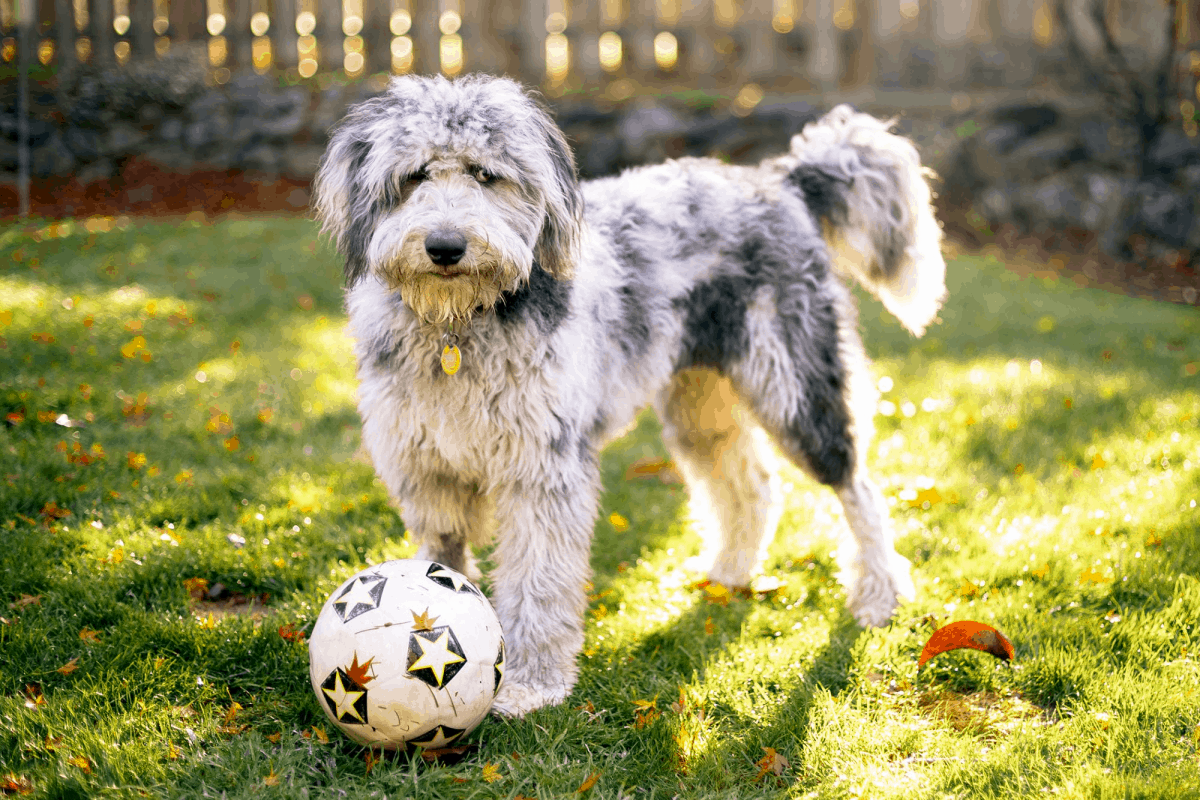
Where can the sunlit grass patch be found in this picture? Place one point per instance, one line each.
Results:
(182, 485)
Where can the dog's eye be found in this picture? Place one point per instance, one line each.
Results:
(483, 176)
(418, 176)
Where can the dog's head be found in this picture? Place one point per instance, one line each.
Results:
(451, 192)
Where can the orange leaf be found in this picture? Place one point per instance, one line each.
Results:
(272, 779)
(196, 587)
(358, 672)
(319, 734)
(491, 773)
(16, 784)
(69, 667)
(82, 763)
(290, 634)
(232, 711)
(589, 783)
(967, 633)
(90, 636)
(772, 762)
(274, 738)
(708, 627)
(650, 467)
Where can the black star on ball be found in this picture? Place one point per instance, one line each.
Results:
(361, 596)
(435, 656)
(444, 576)
(347, 700)
(498, 667)
(438, 737)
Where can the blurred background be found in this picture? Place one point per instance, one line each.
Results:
(1069, 121)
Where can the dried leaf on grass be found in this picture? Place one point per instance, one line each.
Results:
(589, 783)
(966, 633)
(773, 762)
(16, 784)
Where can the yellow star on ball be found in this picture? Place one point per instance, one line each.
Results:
(343, 699)
(436, 656)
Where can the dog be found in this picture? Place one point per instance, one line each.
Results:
(509, 320)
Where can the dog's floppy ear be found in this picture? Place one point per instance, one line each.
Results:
(341, 197)
(557, 248)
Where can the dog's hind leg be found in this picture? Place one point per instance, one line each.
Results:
(727, 462)
(804, 376)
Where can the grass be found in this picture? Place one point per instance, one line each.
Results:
(178, 401)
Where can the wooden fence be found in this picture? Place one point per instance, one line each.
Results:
(775, 44)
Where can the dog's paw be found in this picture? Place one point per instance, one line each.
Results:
(876, 595)
(732, 571)
(515, 700)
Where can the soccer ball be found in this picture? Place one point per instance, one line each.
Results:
(406, 652)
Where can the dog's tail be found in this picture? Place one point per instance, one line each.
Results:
(869, 190)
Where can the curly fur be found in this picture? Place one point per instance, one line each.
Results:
(704, 289)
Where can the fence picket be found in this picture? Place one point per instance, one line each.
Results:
(283, 33)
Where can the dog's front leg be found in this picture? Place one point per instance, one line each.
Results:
(543, 545)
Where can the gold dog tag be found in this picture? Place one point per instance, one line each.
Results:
(451, 359)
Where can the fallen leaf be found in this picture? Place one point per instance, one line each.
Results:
(82, 762)
(423, 621)
(966, 633)
(26, 600)
(491, 773)
(319, 734)
(708, 627)
(1094, 575)
(196, 587)
(290, 633)
(272, 779)
(447, 755)
(1042, 571)
(589, 783)
(371, 759)
(16, 784)
(618, 522)
(90, 636)
(69, 667)
(274, 738)
(359, 672)
(773, 762)
(172, 752)
(662, 469)
(232, 711)
(717, 593)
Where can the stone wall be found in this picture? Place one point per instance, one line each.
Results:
(1064, 165)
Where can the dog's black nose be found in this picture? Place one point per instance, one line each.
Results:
(445, 247)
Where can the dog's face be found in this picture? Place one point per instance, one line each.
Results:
(450, 192)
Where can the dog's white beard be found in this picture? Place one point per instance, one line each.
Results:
(436, 299)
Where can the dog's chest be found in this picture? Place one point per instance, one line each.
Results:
(493, 420)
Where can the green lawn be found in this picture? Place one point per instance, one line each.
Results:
(178, 403)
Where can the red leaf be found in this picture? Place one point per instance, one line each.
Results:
(966, 633)
(359, 672)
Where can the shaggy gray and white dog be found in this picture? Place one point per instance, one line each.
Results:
(710, 291)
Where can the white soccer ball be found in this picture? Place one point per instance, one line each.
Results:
(406, 652)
